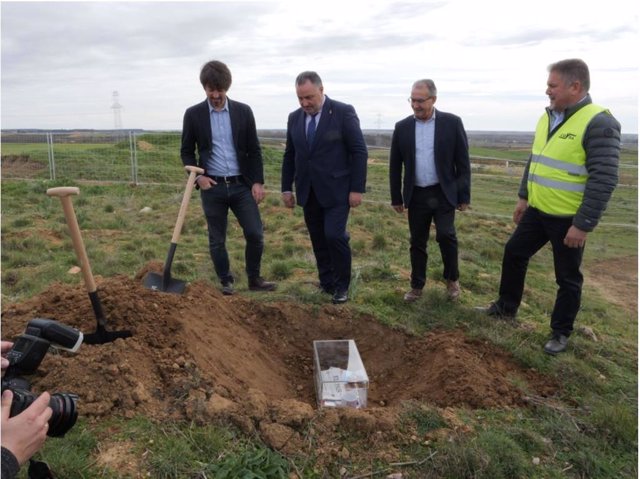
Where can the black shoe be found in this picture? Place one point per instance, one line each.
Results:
(259, 284)
(340, 297)
(557, 344)
(227, 288)
(496, 311)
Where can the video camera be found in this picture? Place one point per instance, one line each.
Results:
(25, 356)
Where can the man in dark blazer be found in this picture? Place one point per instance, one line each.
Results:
(326, 156)
(431, 146)
(224, 133)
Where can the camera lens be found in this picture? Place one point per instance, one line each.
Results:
(64, 414)
(64, 406)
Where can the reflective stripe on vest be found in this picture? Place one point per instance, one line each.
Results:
(557, 173)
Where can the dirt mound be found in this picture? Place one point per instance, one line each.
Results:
(203, 356)
(20, 166)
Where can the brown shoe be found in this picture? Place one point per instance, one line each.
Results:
(259, 284)
(453, 289)
(413, 295)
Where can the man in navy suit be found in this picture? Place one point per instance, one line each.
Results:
(431, 146)
(224, 133)
(326, 156)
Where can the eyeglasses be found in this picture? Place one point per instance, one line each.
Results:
(419, 101)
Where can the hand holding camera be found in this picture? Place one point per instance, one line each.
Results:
(26, 419)
(25, 433)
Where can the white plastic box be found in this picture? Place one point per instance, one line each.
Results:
(340, 377)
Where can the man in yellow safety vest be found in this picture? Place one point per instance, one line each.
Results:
(567, 183)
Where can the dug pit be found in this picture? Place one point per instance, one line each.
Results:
(204, 357)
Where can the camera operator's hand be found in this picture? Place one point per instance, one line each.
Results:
(5, 347)
(25, 433)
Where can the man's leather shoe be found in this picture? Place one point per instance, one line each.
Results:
(340, 297)
(413, 295)
(259, 284)
(496, 311)
(557, 344)
(453, 289)
(227, 288)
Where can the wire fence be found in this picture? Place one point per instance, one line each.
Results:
(136, 157)
(121, 156)
(140, 157)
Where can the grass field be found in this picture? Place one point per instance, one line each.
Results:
(590, 431)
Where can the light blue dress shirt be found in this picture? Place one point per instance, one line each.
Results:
(223, 160)
(556, 119)
(426, 174)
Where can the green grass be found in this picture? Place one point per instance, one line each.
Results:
(160, 451)
(588, 431)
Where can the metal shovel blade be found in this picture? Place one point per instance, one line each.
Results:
(158, 282)
(102, 336)
(164, 282)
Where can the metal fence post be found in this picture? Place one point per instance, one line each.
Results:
(134, 158)
(52, 159)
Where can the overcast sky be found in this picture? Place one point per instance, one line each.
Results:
(62, 61)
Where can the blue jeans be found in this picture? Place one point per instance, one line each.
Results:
(216, 203)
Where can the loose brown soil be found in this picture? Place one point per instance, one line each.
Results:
(206, 357)
(20, 166)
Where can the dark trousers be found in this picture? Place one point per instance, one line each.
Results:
(429, 204)
(330, 241)
(533, 232)
(216, 203)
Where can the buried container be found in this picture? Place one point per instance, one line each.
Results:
(340, 377)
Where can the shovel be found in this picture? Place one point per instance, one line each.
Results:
(165, 282)
(101, 335)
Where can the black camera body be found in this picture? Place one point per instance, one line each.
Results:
(28, 351)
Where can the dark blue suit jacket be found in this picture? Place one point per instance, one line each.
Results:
(196, 133)
(336, 163)
(451, 150)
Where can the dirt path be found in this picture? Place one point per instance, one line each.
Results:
(617, 280)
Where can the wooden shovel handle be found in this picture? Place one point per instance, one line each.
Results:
(64, 193)
(191, 181)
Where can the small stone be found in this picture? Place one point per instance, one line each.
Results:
(588, 332)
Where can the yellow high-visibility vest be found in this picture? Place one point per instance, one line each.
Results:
(557, 173)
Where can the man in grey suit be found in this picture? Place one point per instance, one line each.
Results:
(224, 133)
(327, 156)
(431, 146)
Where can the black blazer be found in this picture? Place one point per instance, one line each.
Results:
(196, 133)
(451, 150)
(335, 165)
